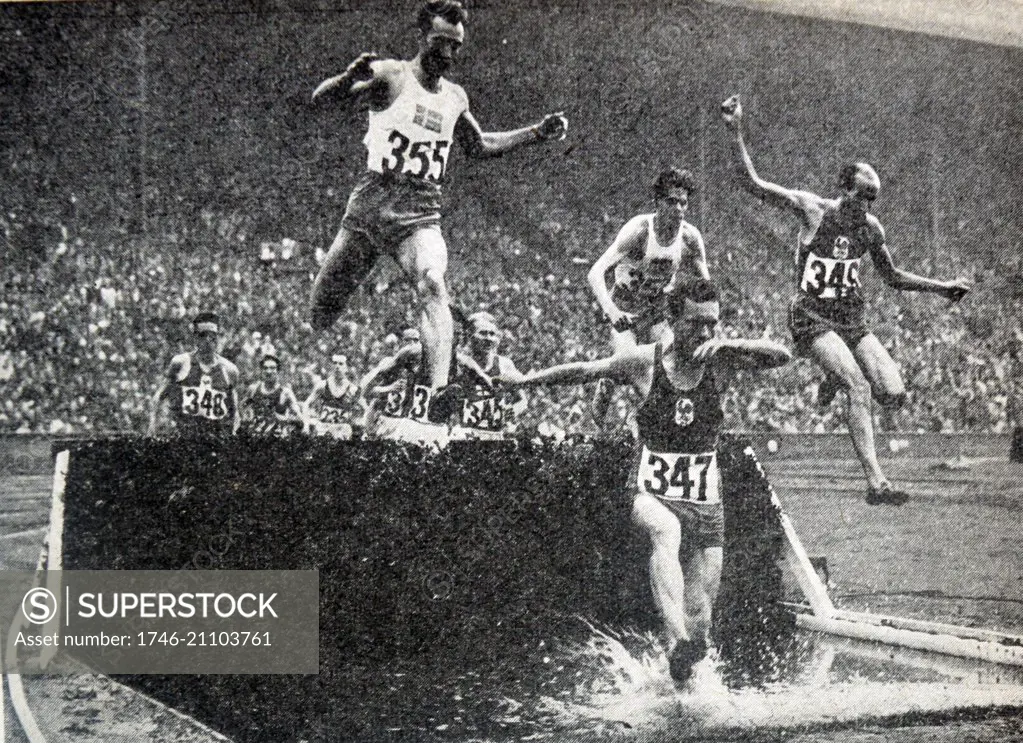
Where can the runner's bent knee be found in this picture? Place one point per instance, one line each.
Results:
(431, 285)
(660, 524)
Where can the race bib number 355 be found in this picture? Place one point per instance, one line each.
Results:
(689, 477)
(424, 159)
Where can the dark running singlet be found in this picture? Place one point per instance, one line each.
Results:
(829, 268)
(332, 407)
(201, 398)
(482, 410)
(264, 407)
(678, 435)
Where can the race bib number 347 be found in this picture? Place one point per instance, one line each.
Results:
(689, 477)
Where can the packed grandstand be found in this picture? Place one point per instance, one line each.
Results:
(88, 325)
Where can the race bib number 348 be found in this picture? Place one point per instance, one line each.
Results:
(689, 477)
(204, 402)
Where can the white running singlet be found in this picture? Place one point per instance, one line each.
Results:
(414, 134)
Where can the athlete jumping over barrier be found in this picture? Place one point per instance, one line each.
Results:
(676, 478)
(415, 114)
(827, 314)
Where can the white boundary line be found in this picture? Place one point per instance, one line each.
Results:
(50, 556)
(54, 547)
(916, 634)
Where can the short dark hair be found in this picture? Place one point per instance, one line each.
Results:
(204, 317)
(451, 11)
(670, 178)
(695, 290)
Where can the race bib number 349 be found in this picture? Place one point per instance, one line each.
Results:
(829, 278)
(689, 477)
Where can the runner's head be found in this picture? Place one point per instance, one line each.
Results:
(694, 311)
(671, 194)
(339, 364)
(206, 326)
(441, 34)
(860, 186)
(485, 333)
(270, 365)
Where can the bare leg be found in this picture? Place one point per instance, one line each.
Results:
(348, 262)
(830, 351)
(666, 577)
(703, 579)
(882, 371)
(424, 257)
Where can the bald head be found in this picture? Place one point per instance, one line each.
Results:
(859, 174)
(860, 186)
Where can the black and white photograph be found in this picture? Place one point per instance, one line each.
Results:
(478, 371)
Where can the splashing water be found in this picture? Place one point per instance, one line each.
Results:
(624, 691)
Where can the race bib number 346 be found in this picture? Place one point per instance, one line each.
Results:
(689, 477)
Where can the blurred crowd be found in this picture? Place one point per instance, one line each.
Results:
(88, 325)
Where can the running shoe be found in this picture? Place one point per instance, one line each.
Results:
(886, 495)
(684, 657)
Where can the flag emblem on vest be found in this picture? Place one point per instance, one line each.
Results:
(840, 249)
(428, 119)
(685, 412)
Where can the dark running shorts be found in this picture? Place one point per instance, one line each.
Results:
(703, 525)
(807, 322)
(386, 209)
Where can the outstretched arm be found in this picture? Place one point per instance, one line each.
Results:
(899, 278)
(627, 243)
(517, 400)
(478, 143)
(625, 367)
(386, 368)
(733, 354)
(801, 203)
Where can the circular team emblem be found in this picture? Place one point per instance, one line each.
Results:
(840, 249)
(684, 412)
